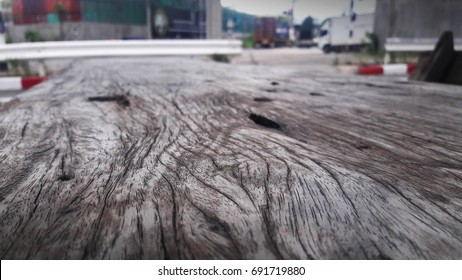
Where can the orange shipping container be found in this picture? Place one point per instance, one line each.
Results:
(70, 5)
(265, 31)
(17, 11)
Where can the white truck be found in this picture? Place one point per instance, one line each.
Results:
(341, 33)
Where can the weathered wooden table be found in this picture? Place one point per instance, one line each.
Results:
(185, 159)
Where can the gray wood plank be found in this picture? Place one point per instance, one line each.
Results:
(200, 160)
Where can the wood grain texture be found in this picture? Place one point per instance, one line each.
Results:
(186, 159)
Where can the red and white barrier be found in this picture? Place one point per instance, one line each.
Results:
(389, 69)
(19, 83)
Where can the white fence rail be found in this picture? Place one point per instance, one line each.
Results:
(416, 45)
(394, 45)
(114, 48)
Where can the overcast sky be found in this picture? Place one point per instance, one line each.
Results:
(319, 9)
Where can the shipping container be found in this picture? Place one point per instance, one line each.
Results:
(41, 11)
(89, 11)
(100, 11)
(33, 7)
(177, 23)
(242, 23)
(33, 11)
(126, 11)
(265, 32)
(110, 12)
(180, 4)
(69, 5)
(282, 31)
(133, 12)
(53, 18)
(72, 7)
(50, 5)
(270, 32)
(114, 11)
(17, 8)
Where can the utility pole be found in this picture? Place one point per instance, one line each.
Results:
(148, 20)
(291, 23)
(202, 19)
(292, 14)
(352, 19)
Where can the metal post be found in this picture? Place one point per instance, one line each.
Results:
(291, 24)
(198, 18)
(148, 20)
(350, 35)
(292, 14)
(202, 18)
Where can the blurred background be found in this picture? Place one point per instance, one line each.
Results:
(295, 20)
(337, 33)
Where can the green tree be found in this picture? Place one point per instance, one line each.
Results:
(307, 29)
(283, 19)
(33, 36)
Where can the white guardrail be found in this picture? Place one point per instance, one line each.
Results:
(116, 48)
(416, 45)
(394, 45)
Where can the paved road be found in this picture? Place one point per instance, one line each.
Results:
(303, 59)
(311, 60)
(287, 56)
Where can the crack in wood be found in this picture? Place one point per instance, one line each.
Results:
(264, 121)
(262, 99)
(120, 99)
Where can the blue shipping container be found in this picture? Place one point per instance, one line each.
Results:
(282, 30)
(53, 18)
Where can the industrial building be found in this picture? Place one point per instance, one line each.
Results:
(237, 24)
(117, 19)
(417, 18)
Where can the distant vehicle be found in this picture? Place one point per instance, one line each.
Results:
(334, 33)
(306, 43)
(270, 32)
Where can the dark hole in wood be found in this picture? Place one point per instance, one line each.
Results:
(105, 98)
(219, 229)
(120, 99)
(23, 132)
(65, 177)
(260, 120)
(274, 83)
(316, 94)
(362, 147)
(262, 99)
(125, 102)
